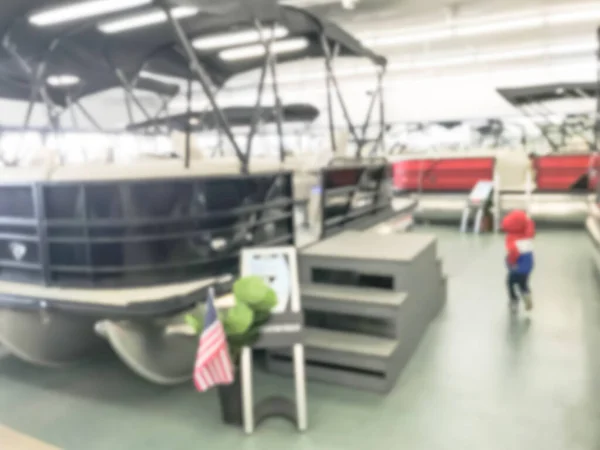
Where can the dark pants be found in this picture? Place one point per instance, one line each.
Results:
(520, 280)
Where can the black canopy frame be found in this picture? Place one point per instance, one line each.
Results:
(237, 116)
(104, 62)
(359, 135)
(531, 101)
(597, 115)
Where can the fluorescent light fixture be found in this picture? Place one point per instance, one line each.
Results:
(576, 13)
(258, 50)
(82, 10)
(146, 19)
(567, 49)
(511, 55)
(181, 103)
(508, 55)
(576, 16)
(167, 79)
(308, 3)
(499, 27)
(575, 71)
(62, 80)
(243, 37)
(446, 62)
(411, 38)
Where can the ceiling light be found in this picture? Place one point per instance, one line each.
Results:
(579, 15)
(162, 78)
(349, 4)
(307, 3)
(255, 51)
(146, 19)
(63, 80)
(79, 11)
(500, 26)
(411, 38)
(447, 62)
(508, 55)
(224, 40)
(567, 49)
(535, 52)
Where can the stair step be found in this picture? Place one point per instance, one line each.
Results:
(364, 246)
(347, 359)
(359, 344)
(374, 382)
(368, 302)
(345, 349)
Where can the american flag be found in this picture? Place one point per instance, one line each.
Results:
(213, 363)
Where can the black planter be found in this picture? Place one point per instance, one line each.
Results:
(230, 398)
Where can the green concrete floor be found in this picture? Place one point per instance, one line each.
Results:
(478, 381)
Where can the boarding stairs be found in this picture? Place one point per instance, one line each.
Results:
(368, 299)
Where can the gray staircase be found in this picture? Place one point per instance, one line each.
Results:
(368, 299)
(367, 302)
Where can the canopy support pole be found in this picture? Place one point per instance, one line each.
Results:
(272, 61)
(88, 116)
(164, 108)
(257, 113)
(36, 77)
(597, 116)
(540, 127)
(72, 112)
(204, 80)
(188, 125)
(363, 132)
(331, 75)
(381, 141)
(330, 115)
(128, 106)
(128, 86)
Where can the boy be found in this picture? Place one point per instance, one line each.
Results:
(520, 231)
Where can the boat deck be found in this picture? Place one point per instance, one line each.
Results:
(480, 380)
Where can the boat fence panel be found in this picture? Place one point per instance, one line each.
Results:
(353, 196)
(134, 233)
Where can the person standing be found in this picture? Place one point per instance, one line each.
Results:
(520, 232)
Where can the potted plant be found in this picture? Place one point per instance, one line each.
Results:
(254, 301)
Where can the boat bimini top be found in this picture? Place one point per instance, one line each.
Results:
(142, 243)
(566, 132)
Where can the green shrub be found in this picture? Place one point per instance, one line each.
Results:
(254, 301)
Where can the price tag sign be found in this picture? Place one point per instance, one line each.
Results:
(278, 266)
(481, 192)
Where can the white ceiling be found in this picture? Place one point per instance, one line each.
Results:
(449, 78)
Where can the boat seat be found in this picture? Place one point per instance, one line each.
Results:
(158, 169)
(140, 170)
(25, 174)
(512, 169)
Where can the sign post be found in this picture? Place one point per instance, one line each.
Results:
(478, 200)
(285, 328)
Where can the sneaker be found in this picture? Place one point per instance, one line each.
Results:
(528, 302)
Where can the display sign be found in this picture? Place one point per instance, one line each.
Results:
(481, 192)
(278, 266)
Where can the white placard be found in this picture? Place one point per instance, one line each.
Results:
(279, 267)
(481, 192)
